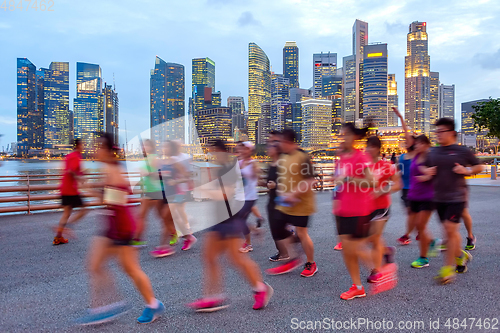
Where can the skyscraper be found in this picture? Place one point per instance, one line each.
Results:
(332, 90)
(214, 123)
(263, 124)
(324, 64)
(296, 96)
(417, 78)
(111, 111)
(470, 135)
(434, 97)
(279, 100)
(317, 123)
(392, 99)
(29, 118)
(291, 63)
(237, 104)
(57, 127)
(375, 84)
(88, 105)
(359, 40)
(259, 86)
(349, 88)
(447, 101)
(202, 76)
(167, 101)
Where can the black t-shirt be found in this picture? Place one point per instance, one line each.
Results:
(272, 175)
(448, 185)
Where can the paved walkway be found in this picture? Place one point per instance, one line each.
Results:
(43, 288)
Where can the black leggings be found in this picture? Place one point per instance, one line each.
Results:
(244, 213)
(276, 224)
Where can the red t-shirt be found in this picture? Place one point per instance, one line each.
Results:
(69, 184)
(382, 172)
(352, 199)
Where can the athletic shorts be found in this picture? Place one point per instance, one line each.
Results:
(381, 214)
(419, 206)
(121, 225)
(230, 228)
(71, 200)
(356, 226)
(296, 221)
(404, 197)
(450, 211)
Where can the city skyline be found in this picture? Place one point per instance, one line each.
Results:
(448, 40)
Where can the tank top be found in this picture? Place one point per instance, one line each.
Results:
(249, 181)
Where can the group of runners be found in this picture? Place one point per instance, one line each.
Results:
(430, 178)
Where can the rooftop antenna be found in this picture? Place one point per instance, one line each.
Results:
(114, 84)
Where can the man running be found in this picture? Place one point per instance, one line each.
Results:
(70, 196)
(296, 203)
(450, 163)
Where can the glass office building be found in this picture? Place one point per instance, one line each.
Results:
(28, 115)
(291, 63)
(259, 86)
(375, 84)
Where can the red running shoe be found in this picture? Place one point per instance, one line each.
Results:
(310, 269)
(387, 281)
(285, 268)
(353, 292)
(262, 297)
(404, 240)
(338, 247)
(59, 240)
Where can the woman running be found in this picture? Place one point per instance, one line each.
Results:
(354, 205)
(171, 174)
(116, 242)
(404, 163)
(152, 191)
(225, 237)
(250, 173)
(278, 231)
(421, 196)
(387, 182)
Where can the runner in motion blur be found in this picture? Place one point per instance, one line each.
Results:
(404, 163)
(225, 237)
(115, 241)
(449, 164)
(295, 203)
(354, 205)
(70, 195)
(250, 174)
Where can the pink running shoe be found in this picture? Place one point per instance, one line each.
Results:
(245, 248)
(338, 247)
(189, 241)
(162, 251)
(262, 297)
(285, 268)
(209, 304)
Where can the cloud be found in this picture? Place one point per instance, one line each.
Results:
(247, 18)
(488, 60)
(396, 28)
(7, 120)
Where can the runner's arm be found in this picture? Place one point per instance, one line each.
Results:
(408, 136)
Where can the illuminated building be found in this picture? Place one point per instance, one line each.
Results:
(111, 111)
(447, 101)
(359, 40)
(375, 84)
(88, 105)
(316, 123)
(214, 123)
(324, 64)
(167, 101)
(434, 97)
(57, 127)
(392, 100)
(29, 118)
(297, 95)
(417, 79)
(216, 99)
(203, 75)
(332, 90)
(237, 104)
(291, 63)
(392, 138)
(349, 88)
(259, 86)
(263, 124)
(470, 135)
(279, 101)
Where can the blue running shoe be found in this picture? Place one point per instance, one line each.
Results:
(95, 318)
(149, 315)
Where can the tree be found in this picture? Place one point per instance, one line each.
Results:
(487, 116)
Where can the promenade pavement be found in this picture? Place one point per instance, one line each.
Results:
(43, 288)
